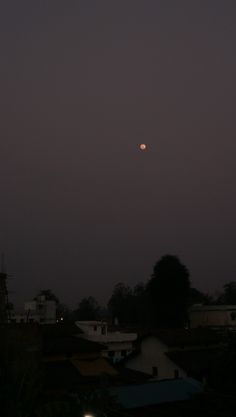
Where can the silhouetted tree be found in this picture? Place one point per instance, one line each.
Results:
(48, 294)
(199, 297)
(127, 304)
(229, 294)
(168, 292)
(88, 309)
(20, 374)
(139, 305)
(223, 369)
(119, 303)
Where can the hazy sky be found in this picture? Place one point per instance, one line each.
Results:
(81, 84)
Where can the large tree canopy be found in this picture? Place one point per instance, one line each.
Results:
(128, 305)
(119, 303)
(198, 297)
(168, 292)
(88, 309)
(229, 294)
(48, 294)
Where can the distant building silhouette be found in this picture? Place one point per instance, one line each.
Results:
(40, 311)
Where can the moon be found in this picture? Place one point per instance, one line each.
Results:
(142, 146)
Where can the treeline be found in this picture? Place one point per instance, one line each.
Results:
(163, 301)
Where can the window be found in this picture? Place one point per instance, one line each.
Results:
(155, 371)
(176, 373)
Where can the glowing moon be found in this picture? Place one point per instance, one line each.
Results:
(142, 147)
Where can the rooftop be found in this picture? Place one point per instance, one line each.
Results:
(90, 323)
(137, 396)
(70, 345)
(59, 330)
(96, 367)
(115, 337)
(225, 307)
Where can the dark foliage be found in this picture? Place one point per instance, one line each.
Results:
(229, 294)
(48, 294)
(168, 292)
(88, 309)
(127, 304)
(198, 297)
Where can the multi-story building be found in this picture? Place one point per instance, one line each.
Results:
(40, 310)
(118, 344)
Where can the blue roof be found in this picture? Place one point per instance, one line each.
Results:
(153, 393)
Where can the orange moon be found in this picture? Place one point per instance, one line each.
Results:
(142, 147)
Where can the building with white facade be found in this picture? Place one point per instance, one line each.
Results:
(40, 311)
(174, 353)
(215, 316)
(118, 344)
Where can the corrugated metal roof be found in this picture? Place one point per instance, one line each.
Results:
(137, 396)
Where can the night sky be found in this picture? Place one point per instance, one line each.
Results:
(82, 83)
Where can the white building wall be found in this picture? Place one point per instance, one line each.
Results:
(39, 311)
(30, 305)
(212, 318)
(93, 328)
(118, 351)
(118, 344)
(151, 356)
(50, 311)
